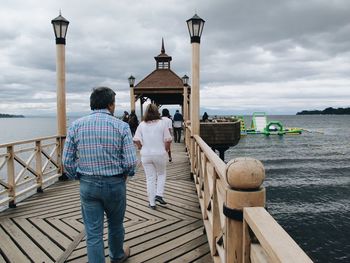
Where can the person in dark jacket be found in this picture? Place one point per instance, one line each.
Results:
(125, 117)
(133, 122)
(205, 117)
(178, 119)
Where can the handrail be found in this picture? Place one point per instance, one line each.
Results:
(26, 166)
(275, 241)
(213, 158)
(29, 141)
(224, 192)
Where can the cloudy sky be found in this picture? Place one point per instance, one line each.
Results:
(256, 55)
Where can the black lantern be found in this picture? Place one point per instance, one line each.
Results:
(131, 81)
(195, 27)
(60, 26)
(185, 80)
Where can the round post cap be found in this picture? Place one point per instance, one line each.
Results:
(245, 173)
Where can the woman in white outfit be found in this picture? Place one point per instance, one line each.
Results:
(153, 138)
(169, 123)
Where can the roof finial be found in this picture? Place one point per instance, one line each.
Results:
(163, 49)
(60, 12)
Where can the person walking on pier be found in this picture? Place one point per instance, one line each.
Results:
(125, 116)
(178, 119)
(205, 117)
(99, 151)
(153, 139)
(133, 122)
(167, 119)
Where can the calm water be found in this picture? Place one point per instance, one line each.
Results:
(308, 182)
(307, 177)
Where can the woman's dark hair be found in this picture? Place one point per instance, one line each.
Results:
(101, 98)
(165, 113)
(151, 113)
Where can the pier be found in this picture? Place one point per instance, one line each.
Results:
(209, 218)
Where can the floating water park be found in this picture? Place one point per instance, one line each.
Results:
(261, 125)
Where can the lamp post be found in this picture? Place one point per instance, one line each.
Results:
(60, 26)
(185, 95)
(131, 80)
(195, 27)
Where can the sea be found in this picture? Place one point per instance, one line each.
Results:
(307, 181)
(307, 176)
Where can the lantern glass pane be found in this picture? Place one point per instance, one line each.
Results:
(190, 27)
(196, 28)
(201, 29)
(57, 30)
(64, 30)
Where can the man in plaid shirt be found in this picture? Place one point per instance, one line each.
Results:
(99, 151)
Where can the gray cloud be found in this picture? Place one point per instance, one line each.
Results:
(290, 54)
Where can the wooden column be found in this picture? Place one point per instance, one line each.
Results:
(194, 99)
(61, 90)
(245, 177)
(132, 98)
(195, 95)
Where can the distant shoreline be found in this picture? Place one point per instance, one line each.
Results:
(10, 116)
(327, 111)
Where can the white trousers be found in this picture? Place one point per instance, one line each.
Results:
(155, 170)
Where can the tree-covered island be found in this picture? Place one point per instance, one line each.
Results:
(2, 115)
(327, 111)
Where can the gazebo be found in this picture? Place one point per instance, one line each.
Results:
(162, 86)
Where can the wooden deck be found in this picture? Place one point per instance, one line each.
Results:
(48, 227)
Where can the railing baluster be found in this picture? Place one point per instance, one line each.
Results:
(192, 157)
(38, 167)
(60, 143)
(216, 214)
(11, 177)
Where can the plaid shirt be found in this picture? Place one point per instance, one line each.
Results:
(99, 145)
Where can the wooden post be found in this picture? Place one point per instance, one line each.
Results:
(184, 106)
(60, 145)
(188, 136)
(38, 167)
(61, 90)
(189, 105)
(132, 99)
(194, 100)
(141, 107)
(192, 157)
(11, 177)
(245, 177)
(195, 96)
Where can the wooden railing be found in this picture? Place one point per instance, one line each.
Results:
(232, 201)
(27, 167)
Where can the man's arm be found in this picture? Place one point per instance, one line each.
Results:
(69, 156)
(128, 153)
(138, 144)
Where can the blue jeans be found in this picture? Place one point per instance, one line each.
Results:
(101, 195)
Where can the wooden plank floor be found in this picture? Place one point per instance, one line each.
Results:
(48, 227)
